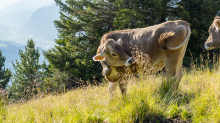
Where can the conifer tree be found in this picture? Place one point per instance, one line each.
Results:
(80, 28)
(26, 76)
(5, 74)
(139, 14)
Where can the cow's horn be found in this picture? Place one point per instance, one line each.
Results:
(119, 41)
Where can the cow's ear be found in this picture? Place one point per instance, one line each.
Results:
(217, 24)
(99, 57)
(119, 41)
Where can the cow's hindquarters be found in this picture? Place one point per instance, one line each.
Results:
(173, 63)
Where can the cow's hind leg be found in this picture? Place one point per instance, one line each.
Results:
(173, 66)
(112, 89)
(173, 62)
(123, 87)
(174, 74)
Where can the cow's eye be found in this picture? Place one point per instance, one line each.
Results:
(114, 54)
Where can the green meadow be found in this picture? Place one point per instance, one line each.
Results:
(148, 99)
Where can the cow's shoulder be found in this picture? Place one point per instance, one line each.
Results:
(114, 34)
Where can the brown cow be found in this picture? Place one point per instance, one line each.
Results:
(115, 50)
(213, 40)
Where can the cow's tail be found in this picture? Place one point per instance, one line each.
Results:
(165, 35)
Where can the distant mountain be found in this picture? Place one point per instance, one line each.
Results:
(19, 18)
(25, 5)
(22, 25)
(41, 22)
(5, 26)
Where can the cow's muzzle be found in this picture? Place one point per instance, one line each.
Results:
(207, 47)
(129, 61)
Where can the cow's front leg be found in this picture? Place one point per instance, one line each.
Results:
(123, 87)
(112, 89)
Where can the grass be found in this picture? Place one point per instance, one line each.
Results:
(197, 100)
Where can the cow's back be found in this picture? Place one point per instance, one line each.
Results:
(146, 39)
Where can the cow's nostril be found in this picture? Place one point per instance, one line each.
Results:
(129, 61)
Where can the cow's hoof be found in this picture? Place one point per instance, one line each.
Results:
(107, 71)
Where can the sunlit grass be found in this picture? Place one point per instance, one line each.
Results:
(197, 100)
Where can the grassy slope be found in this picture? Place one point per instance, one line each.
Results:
(197, 100)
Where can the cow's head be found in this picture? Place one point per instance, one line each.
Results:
(213, 40)
(113, 54)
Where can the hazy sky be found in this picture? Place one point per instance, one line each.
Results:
(39, 3)
(4, 3)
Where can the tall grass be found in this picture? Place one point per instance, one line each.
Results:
(147, 100)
